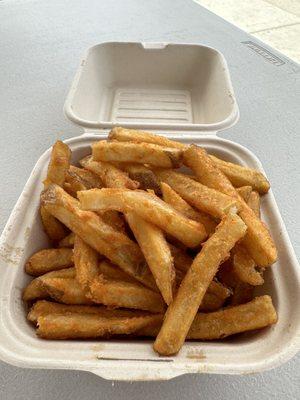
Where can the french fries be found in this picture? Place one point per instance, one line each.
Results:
(125, 294)
(86, 263)
(143, 153)
(129, 257)
(149, 207)
(143, 175)
(83, 326)
(49, 260)
(109, 174)
(195, 284)
(205, 199)
(114, 245)
(254, 203)
(172, 198)
(35, 289)
(157, 253)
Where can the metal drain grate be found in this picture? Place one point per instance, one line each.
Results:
(152, 106)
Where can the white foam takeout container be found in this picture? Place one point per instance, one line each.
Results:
(186, 90)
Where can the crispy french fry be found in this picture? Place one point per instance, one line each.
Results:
(211, 302)
(67, 241)
(58, 166)
(49, 260)
(87, 178)
(157, 253)
(254, 203)
(54, 229)
(35, 290)
(182, 261)
(244, 267)
(142, 153)
(143, 175)
(114, 245)
(114, 219)
(44, 307)
(64, 290)
(86, 263)
(205, 199)
(256, 314)
(125, 294)
(176, 201)
(110, 271)
(242, 293)
(109, 174)
(83, 326)
(132, 135)
(244, 192)
(258, 240)
(182, 310)
(241, 176)
(149, 207)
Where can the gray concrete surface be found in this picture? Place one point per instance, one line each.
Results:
(41, 43)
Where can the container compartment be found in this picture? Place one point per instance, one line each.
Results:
(135, 359)
(151, 85)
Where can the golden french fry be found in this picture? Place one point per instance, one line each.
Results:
(258, 240)
(35, 290)
(205, 199)
(176, 201)
(49, 260)
(54, 229)
(114, 245)
(143, 175)
(244, 192)
(110, 175)
(86, 263)
(242, 176)
(157, 253)
(244, 267)
(131, 135)
(182, 261)
(182, 310)
(88, 178)
(64, 290)
(84, 326)
(254, 203)
(44, 307)
(211, 302)
(110, 271)
(125, 294)
(114, 219)
(242, 293)
(67, 241)
(142, 153)
(149, 207)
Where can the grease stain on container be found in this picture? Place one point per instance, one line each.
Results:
(11, 254)
(196, 355)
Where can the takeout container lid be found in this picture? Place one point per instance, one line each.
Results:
(184, 101)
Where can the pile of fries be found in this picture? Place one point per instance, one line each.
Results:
(141, 249)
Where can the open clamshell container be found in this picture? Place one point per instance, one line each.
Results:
(184, 92)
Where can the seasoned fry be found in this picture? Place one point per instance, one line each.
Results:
(183, 309)
(244, 267)
(258, 240)
(241, 176)
(143, 175)
(244, 192)
(84, 178)
(49, 260)
(109, 174)
(44, 307)
(64, 290)
(203, 198)
(110, 271)
(114, 245)
(142, 153)
(67, 241)
(157, 253)
(132, 135)
(173, 198)
(254, 203)
(149, 207)
(54, 229)
(35, 289)
(125, 294)
(84, 326)
(86, 263)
